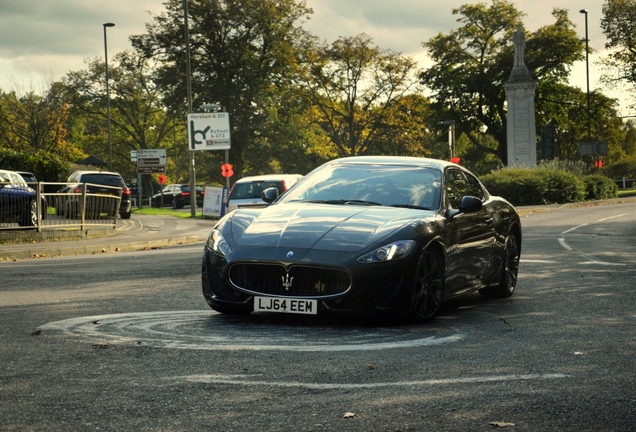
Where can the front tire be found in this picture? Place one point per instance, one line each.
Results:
(30, 216)
(509, 271)
(429, 283)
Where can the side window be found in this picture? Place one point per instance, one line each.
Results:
(475, 187)
(457, 186)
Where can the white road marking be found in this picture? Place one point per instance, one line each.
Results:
(538, 261)
(572, 229)
(203, 330)
(612, 217)
(564, 244)
(245, 381)
(596, 262)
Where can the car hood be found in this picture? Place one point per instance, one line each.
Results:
(319, 226)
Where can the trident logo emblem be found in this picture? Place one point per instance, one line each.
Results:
(287, 281)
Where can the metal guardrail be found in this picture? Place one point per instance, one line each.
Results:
(625, 183)
(67, 206)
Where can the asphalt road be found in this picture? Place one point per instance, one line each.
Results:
(125, 341)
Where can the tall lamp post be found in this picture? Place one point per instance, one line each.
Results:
(110, 142)
(451, 136)
(587, 74)
(193, 181)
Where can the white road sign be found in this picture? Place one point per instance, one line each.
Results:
(151, 157)
(209, 131)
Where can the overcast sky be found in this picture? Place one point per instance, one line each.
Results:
(41, 40)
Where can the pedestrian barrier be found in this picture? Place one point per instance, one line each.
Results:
(51, 205)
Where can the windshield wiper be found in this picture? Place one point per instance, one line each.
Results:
(345, 202)
(410, 206)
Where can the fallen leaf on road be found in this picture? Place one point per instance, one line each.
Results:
(101, 345)
(501, 424)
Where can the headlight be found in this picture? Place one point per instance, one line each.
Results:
(389, 252)
(217, 243)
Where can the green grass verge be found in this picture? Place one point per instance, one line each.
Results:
(622, 193)
(163, 212)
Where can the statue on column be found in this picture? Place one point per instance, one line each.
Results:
(519, 69)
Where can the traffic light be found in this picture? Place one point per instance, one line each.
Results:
(226, 170)
(162, 179)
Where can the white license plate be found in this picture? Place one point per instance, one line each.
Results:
(285, 305)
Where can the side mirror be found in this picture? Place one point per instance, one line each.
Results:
(468, 204)
(269, 195)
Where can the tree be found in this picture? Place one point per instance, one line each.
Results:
(242, 53)
(619, 26)
(138, 117)
(567, 113)
(474, 61)
(354, 85)
(34, 123)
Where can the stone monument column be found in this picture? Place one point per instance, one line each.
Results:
(520, 89)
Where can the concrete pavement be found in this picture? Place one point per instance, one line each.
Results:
(138, 233)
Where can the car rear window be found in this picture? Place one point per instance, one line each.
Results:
(254, 189)
(103, 179)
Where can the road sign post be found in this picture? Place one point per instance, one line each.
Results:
(149, 161)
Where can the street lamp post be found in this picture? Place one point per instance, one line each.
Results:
(193, 181)
(451, 136)
(110, 142)
(587, 74)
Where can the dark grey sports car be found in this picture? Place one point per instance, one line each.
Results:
(370, 235)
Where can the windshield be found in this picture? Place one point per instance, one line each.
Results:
(103, 179)
(358, 184)
(253, 189)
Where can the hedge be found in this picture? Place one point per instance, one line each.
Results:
(526, 186)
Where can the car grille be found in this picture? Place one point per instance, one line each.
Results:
(293, 281)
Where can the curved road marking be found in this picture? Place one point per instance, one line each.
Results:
(211, 331)
(564, 244)
(243, 380)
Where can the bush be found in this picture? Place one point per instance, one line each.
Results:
(45, 166)
(598, 187)
(525, 186)
(517, 185)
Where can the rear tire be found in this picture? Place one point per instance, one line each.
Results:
(428, 285)
(509, 271)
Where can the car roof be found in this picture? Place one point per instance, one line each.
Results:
(16, 173)
(96, 172)
(268, 177)
(394, 160)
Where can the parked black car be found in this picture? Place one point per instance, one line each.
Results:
(370, 235)
(98, 183)
(177, 196)
(18, 202)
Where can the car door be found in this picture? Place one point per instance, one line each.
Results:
(472, 234)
